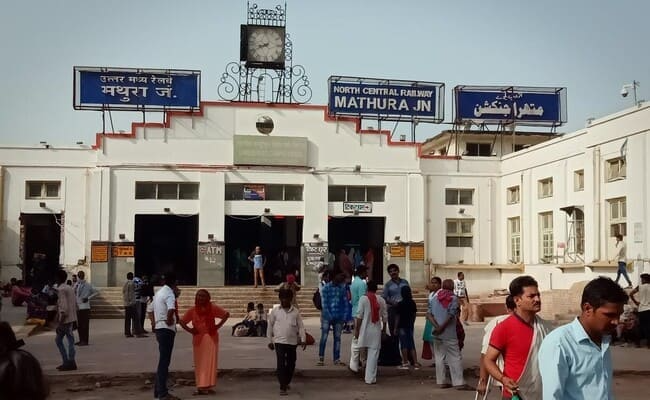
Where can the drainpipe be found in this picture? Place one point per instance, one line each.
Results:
(521, 218)
(597, 211)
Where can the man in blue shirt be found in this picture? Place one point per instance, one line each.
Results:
(334, 299)
(574, 360)
(392, 293)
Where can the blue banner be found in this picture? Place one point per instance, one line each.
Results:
(536, 108)
(390, 100)
(137, 89)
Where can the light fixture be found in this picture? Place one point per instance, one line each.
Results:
(210, 236)
(267, 210)
(316, 236)
(633, 86)
(166, 209)
(397, 238)
(80, 143)
(121, 236)
(42, 204)
(357, 168)
(461, 211)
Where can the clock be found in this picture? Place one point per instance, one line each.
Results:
(262, 46)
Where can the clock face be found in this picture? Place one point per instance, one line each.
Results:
(266, 46)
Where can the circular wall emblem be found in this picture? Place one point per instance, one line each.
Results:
(264, 125)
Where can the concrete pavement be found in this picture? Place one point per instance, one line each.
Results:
(110, 353)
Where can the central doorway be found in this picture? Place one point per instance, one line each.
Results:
(278, 236)
(165, 243)
(361, 238)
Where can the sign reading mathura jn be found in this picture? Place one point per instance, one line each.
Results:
(100, 88)
(386, 99)
(270, 150)
(536, 106)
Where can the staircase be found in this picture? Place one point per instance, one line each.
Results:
(108, 304)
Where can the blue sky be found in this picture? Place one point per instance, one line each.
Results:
(590, 47)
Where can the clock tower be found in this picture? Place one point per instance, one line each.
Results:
(265, 71)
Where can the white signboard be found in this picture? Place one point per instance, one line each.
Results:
(357, 207)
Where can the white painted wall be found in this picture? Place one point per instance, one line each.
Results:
(98, 186)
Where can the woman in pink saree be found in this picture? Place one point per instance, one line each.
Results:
(200, 322)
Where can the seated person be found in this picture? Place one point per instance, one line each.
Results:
(20, 294)
(6, 288)
(248, 321)
(260, 321)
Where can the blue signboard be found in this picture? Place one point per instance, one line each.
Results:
(394, 100)
(136, 89)
(525, 106)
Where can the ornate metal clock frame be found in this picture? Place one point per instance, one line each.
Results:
(288, 83)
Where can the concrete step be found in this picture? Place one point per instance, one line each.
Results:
(109, 304)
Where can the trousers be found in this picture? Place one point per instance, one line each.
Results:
(286, 363)
(447, 352)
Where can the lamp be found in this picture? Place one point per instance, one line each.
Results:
(121, 236)
(397, 238)
(316, 236)
(267, 210)
(166, 209)
(210, 236)
(357, 168)
(633, 86)
(461, 211)
(42, 204)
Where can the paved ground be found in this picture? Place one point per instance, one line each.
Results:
(111, 355)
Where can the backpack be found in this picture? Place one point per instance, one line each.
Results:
(316, 300)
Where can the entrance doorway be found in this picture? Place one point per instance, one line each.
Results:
(165, 243)
(278, 236)
(362, 238)
(41, 247)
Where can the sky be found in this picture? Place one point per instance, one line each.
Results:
(591, 47)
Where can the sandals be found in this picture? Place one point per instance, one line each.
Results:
(464, 387)
(203, 392)
(403, 366)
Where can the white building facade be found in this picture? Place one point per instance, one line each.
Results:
(198, 192)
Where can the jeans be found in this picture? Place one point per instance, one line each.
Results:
(165, 339)
(83, 325)
(406, 340)
(286, 356)
(324, 331)
(622, 270)
(65, 330)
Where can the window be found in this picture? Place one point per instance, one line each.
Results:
(42, 189)
(478, 149)
(545, 188)
(513, 195)
(459, 196)
(166, 190)
(616, 169)
(546, 237)
(514, 240)
(617, 217)
(459, 232)
(275, 192)
(356, 193)
(579, 180)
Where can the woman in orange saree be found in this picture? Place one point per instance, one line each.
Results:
(200, 322)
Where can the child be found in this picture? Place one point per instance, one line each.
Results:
(260, 320)
(248, 321)
(404, 326)
(286, 331)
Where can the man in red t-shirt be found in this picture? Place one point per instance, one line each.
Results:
(517, 340)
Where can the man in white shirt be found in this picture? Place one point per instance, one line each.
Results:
(285, 331)
(460, 290)
(164, 311)
(643, 302)
(621, 258)
(482, 386)
(84, 291)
